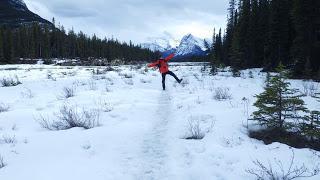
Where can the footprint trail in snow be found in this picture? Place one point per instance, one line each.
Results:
(154, 145)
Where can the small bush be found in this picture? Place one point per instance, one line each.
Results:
(277, 171)
(144, 81)
(195, 131)
(9, 81)
(4, 107)
(222, 94)
(185, 82)
(27, 93)
(69, 117)
(68, 92)
(198, 126)
(309, 88)
(126, 75)
(86, 146)
(8, 139)
(235, 72)
(92, 85)
(2, 163)
(99, 71)
(104, 105)
(50, 76)
(129, 82)
(109, 81)
(251, 74)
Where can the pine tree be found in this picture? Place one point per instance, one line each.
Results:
(207, 46)
(229, 32)
(255, 40)
(8, 46)
(240, 56)
(217, 49)
(263, 32)
(1, 47)
(310, 126)
(278, 105)
(304, 43)
(280, 32)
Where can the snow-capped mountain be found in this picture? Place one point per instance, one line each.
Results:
(187, 47)
(162, 43)
(190, 46)
(15, 12)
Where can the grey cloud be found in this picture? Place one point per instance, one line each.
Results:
(136, 19)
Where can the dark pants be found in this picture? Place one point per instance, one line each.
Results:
(164, 78)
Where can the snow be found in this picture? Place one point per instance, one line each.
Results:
(143, 134)
(190, 45)
(19, 4)
(161, 43)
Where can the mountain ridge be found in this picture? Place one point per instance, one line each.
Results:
(188, 46)
(14, 13)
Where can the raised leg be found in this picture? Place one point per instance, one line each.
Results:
(173, 75)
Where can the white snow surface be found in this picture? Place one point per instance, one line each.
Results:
(142, 137)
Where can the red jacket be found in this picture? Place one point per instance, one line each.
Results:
(162, 64)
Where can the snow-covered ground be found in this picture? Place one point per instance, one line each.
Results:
(142, 128)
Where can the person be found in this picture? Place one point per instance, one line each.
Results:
(163, 66)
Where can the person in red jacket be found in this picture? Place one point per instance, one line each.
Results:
(162, 64)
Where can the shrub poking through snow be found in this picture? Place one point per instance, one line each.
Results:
(235, 72)
(68, 92)
(69, 117)
(195, 131)
(9, 81)
(27, 93)
(4, 107)
(222, 94)
(198, 126)
(126, 75)
(129, 82)
(276, 171)
(251, 75)
(144, 81)
(92, 85)
(8, 139)
(309, 88)
(99, 71)
(104, 105)
(185, 82)
(2, 163)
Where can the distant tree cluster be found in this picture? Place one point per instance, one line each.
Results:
(262, 33)
(43, 41)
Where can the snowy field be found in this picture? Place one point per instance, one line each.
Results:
(142, 131)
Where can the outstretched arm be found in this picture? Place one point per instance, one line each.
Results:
(153, 64)
(169, 57)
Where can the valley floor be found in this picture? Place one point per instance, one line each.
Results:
(143, 130)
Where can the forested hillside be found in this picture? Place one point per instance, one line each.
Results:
(262, 33)
(39, 41)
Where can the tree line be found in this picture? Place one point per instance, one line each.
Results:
(263, 33)
(39, 41)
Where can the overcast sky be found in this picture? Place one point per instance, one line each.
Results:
(135, 20)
